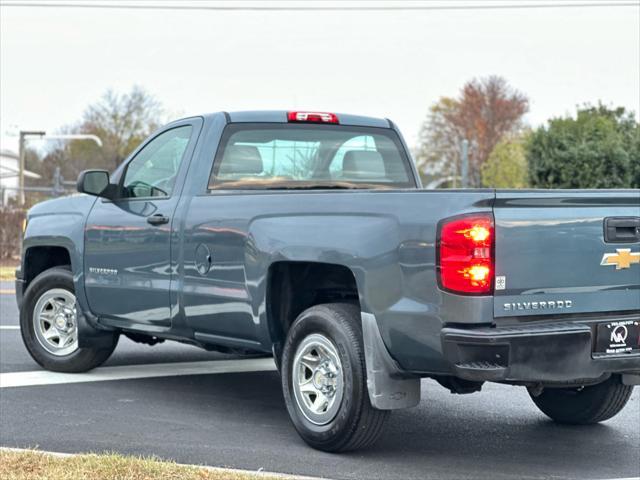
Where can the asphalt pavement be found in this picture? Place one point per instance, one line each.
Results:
(239, 420)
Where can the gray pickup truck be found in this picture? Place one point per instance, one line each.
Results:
(306, 235)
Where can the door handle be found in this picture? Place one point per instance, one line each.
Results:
(157, 219)
(622, 229)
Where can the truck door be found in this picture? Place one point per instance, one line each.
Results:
(128, 266)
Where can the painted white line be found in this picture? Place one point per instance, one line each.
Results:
(9, 327)
(128, 372)
(255, 473)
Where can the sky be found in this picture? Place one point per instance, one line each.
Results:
(56, 61)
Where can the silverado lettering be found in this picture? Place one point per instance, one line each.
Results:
(538, 305)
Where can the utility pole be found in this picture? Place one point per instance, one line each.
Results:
(465, 163)
(22, 153)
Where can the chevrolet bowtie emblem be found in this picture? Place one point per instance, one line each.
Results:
(622, 259)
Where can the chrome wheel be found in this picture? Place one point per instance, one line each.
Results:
(54, 322)
(317, 379)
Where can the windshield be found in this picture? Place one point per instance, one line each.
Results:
(274, 156)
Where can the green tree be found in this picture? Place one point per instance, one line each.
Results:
(599, 148)
(438, 152)
(506, 166)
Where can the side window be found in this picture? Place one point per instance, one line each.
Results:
(153, 171)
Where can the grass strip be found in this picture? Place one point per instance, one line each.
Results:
(31, 465)
(7, 272)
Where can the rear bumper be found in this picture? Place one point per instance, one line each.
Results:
(560, 352)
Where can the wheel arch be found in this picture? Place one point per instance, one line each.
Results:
(294, 286)
(39, 258)
(41, 253)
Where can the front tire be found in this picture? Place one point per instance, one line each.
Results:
(324, 380)
(48, 323)
(586, 405)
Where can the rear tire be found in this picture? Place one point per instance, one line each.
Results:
(587, 405)
(324, 380)
(48, 323)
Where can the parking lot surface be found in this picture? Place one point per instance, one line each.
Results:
(239, 420)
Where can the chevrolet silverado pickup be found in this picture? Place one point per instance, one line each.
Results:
(307, 236)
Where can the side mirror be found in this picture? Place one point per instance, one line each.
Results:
(95, 182)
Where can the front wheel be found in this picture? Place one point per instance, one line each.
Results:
(48, 322)
(584, 405)
(324, 380)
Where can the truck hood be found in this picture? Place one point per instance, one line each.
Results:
(78, 204)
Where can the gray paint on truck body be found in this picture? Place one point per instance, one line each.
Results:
(386, 238)
(549, 247)
(389, 249)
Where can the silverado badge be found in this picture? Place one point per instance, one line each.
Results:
(623, 258)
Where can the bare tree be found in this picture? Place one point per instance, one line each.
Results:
(122, 121)
(486, 110)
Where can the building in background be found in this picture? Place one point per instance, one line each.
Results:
(9, 175)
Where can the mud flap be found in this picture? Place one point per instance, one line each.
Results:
(631, 379)
(387, 389)
(92, 335)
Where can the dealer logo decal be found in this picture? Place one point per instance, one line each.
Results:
(619, 334)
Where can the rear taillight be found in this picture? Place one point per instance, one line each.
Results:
(313, 117)
(466, 253)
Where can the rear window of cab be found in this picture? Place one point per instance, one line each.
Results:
(298, 156)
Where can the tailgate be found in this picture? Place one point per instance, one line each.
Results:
(552, 256)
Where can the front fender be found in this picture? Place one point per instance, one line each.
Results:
(60, 223)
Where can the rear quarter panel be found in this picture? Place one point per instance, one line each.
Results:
(386, 238)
